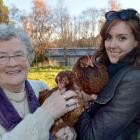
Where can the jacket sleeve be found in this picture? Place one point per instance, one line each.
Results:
(35, 126)
(116, 114)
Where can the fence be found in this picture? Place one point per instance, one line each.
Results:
(68, 56)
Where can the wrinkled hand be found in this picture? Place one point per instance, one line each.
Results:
(58, 104)
(66, 133)
(88, 99)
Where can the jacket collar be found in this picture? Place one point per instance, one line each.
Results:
(108, 92)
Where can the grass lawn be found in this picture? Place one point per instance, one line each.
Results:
(46, 74)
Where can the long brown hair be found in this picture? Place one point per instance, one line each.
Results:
(134, 55)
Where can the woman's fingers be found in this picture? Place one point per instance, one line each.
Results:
(71, 101)
(58, 104)
(72, 107)
(66, 133)
(71, 133)
(69, 94)
(72, 104)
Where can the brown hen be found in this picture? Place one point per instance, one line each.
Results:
(91, 75)
(65, 79)
(87, 75)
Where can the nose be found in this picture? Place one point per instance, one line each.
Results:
(12, 61)
(113, 44)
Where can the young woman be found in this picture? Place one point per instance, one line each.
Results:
(115, 114)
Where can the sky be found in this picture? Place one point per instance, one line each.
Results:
(75, 7)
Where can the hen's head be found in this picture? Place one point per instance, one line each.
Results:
(85, 61)
(91, 75)
(65, 80)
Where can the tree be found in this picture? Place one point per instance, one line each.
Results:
(62, 19)
(39, 24)
(63, 30)
(16, 15)
(88, 26)
(4, 18)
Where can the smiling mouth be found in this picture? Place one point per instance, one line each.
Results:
(13, 72)
(114, 53)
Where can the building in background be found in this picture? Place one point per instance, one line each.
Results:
(69, 56)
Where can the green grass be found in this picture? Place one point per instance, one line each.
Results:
(47, 74)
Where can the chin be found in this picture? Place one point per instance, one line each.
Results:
(17, 82)
(113, 61)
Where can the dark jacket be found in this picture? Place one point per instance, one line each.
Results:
(115, 115)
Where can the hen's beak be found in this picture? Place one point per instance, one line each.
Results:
(90, 61)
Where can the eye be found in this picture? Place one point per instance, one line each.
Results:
(3, 57)
(109, 37)
(19, 55)
(122, 38)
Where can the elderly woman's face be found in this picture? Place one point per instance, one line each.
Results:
(120, 41)
(14, 64)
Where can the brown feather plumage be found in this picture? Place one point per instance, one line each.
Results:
(91, 75)
(65, 79)
(87, 75)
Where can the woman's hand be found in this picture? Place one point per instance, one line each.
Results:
(66, 133)
(60, 103)
(88, 98)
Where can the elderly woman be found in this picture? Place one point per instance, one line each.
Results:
(20, 114)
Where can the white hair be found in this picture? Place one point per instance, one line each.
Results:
(9, 31)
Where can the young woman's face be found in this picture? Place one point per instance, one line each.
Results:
(120, 41)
